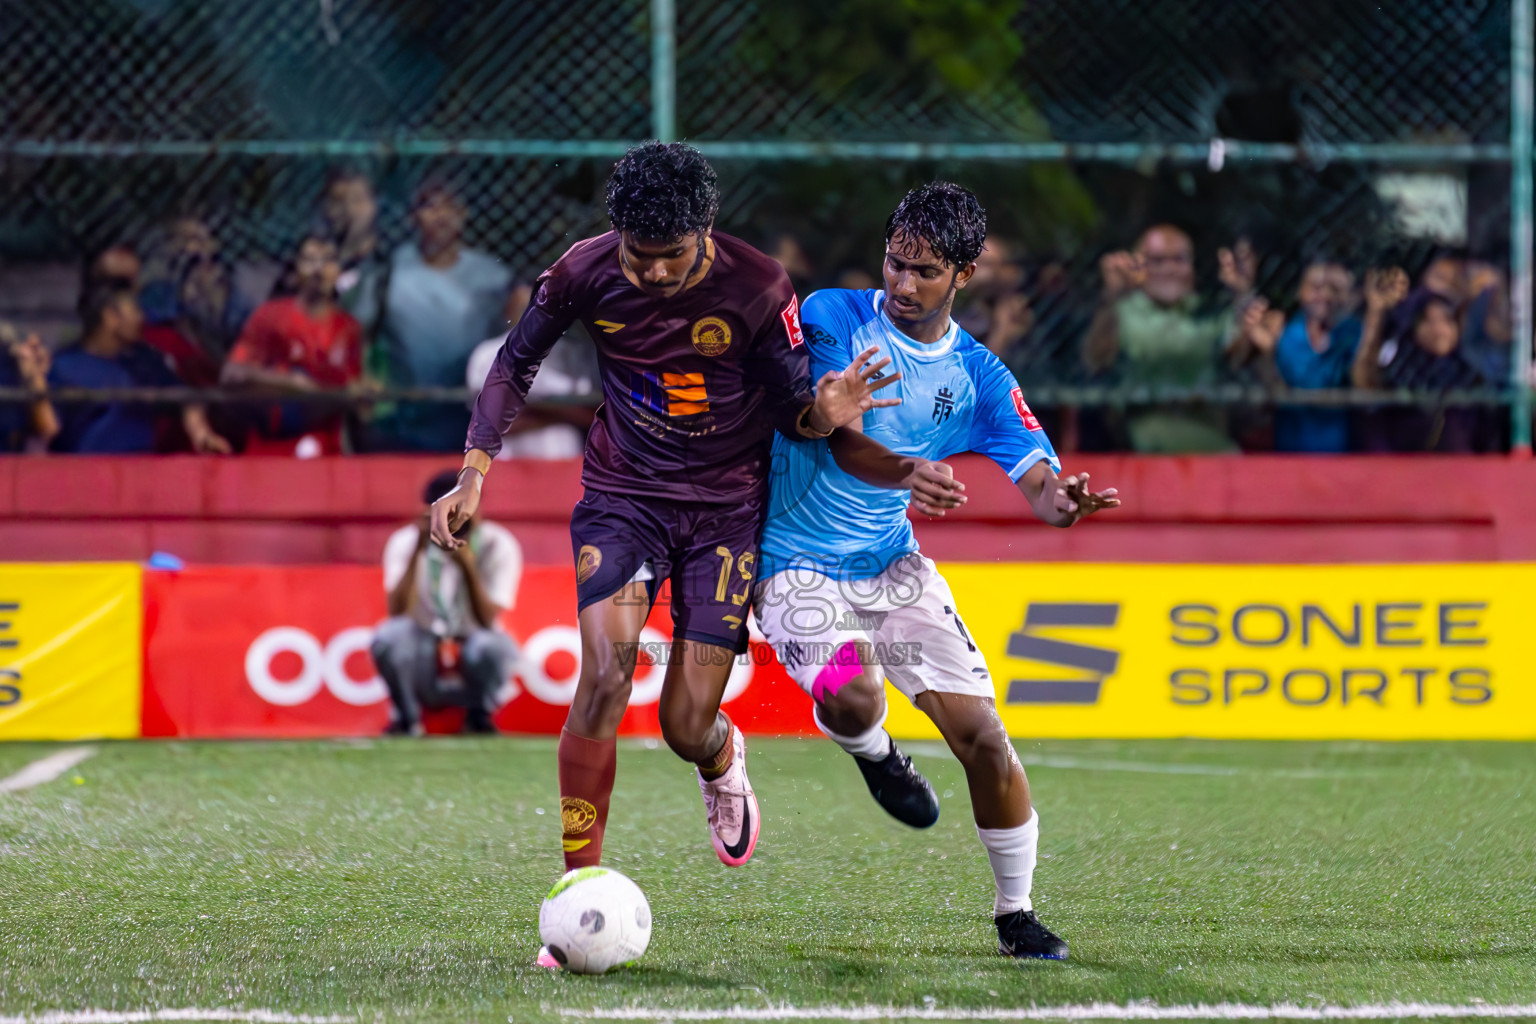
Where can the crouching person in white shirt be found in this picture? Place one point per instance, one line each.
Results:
(441, 645)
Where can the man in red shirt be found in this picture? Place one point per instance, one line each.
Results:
(296, 346)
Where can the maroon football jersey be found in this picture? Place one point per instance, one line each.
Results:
(693, 385)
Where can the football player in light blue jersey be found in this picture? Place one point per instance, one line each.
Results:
(845, 597)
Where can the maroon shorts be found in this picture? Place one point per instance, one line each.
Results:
(708, 552)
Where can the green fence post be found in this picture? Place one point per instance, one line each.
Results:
(1522, 70)
(664, 70)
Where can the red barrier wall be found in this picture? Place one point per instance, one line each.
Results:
(283, 652)
(1222, 509)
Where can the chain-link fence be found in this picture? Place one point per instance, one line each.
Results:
(1373, 135)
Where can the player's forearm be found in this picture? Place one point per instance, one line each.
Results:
(506, 387)
(1048, 514)
(869, 461)
(813, 423)
(1039, 486)
(793, 416)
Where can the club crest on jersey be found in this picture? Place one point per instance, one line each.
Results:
(711, 336)
(587, 562)
(1022, 408)
(790, 314)
(943, 405)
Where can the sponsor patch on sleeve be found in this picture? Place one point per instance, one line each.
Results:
(1022, 408)
(790, 314)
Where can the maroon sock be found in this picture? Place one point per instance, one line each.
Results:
(586, 783)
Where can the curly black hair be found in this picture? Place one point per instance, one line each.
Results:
(949, 218)
(662, 191)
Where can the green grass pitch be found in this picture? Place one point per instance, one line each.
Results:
(400, 880)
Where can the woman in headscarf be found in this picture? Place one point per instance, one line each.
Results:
(1421, 353)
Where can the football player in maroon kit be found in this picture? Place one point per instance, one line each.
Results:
(702, 358)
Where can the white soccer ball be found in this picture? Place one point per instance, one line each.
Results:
(594, 919)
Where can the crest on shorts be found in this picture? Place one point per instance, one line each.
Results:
(587, 561)
(576, 815)
(711, 336)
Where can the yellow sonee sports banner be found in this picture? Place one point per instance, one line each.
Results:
(70, 651)
(1252, 652)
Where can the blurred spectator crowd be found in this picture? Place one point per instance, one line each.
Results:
(309, 347)
(1449, 332)
(317, 348)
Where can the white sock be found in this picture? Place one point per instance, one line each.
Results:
(872, 744)
(1012, 853)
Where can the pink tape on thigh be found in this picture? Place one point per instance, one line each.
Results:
(843, 667)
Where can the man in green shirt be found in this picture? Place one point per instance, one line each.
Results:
(1151, 323)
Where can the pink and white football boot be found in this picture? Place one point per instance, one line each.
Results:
(732, 808)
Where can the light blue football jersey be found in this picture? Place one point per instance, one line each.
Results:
(956, 396)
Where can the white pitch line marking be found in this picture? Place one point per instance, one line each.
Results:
(1147, 767)
(1089, 1012)
(44, 769)
(1041, 761)
(147, 1016)
(1129, 766)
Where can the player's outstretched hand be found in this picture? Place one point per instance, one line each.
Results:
(935, 489)
(1073, 498)
(842, 397)
(452, 510)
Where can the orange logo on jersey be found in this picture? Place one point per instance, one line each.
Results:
(711, 336)
(672, 394)
(685, 391)
(587, 562)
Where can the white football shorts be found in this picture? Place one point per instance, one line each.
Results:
(906, 615)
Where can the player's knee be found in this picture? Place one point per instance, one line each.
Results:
(609, 680)
(686, 728)
(986, 749)
(849, 698)
(854, 708)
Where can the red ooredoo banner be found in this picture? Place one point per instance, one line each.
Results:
(236, 651)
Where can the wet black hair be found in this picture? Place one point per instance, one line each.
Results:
(949, 218)
(440, 485)
(662, 191)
